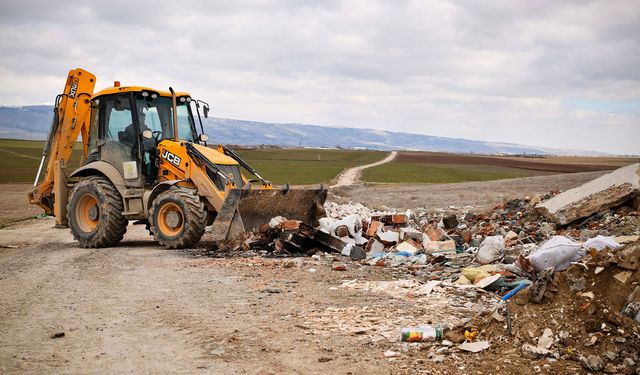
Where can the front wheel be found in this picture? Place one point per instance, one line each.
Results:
(178, 218)
(94, 213)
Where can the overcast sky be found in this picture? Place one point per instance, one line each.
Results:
(546, 73)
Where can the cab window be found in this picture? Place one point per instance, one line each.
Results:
(156, 114)
(185, 128)
(118, 121)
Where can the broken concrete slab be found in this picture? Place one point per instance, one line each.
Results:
(309, 238)
(389, 237)
(428, 287)
(534, 352)
(486, 281)
(622, 276)
(546, 340)
(604, 192)
(629, 258)
(474, 347)
(410, 233)
(441, 247)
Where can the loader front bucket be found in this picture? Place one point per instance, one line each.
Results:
(246, 210)
(259, 206)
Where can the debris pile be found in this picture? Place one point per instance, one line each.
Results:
(588, 313)
(557, 275)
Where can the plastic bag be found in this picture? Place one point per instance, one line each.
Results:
(491, 250)
(558, 252)
(601, 242)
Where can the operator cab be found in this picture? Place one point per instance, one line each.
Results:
(127, 123)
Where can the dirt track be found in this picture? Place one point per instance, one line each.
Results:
(141, 309)
(350, 176)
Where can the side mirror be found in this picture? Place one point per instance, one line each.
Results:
(203, 138)
(206, 111)
(147, 134)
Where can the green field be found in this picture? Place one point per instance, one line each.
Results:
(19, 159)
(306, 166)
(442, 173)
(19, 162)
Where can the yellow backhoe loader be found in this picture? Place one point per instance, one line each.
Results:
(144, 160)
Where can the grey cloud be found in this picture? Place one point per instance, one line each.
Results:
(496, 70)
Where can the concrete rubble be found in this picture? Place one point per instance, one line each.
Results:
(600, 194)
(524, 274)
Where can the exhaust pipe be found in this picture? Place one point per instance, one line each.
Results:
(175, 114)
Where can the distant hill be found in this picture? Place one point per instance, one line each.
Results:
(29, 122)
(32, 122)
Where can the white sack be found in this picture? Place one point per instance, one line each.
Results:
(558, 252)
(327, 224)
(491, 250)
(352, 222)
(600, 242)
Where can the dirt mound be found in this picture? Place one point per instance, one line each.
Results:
(582, 314)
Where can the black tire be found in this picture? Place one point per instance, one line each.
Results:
(178, 218)
(94, 213)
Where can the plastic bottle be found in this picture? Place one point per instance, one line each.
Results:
(421, 334)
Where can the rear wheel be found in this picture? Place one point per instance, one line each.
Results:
(94, 213)
(178, 218)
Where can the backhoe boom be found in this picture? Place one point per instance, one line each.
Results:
(71, 117)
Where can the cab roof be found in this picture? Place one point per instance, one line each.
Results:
(124, 89)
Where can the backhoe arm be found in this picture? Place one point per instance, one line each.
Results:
(70, 119)
(229, 152)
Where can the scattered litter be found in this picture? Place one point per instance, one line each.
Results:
(421, 334)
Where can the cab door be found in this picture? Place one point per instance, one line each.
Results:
(119, 138)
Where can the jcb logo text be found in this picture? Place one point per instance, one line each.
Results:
(171, 158)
